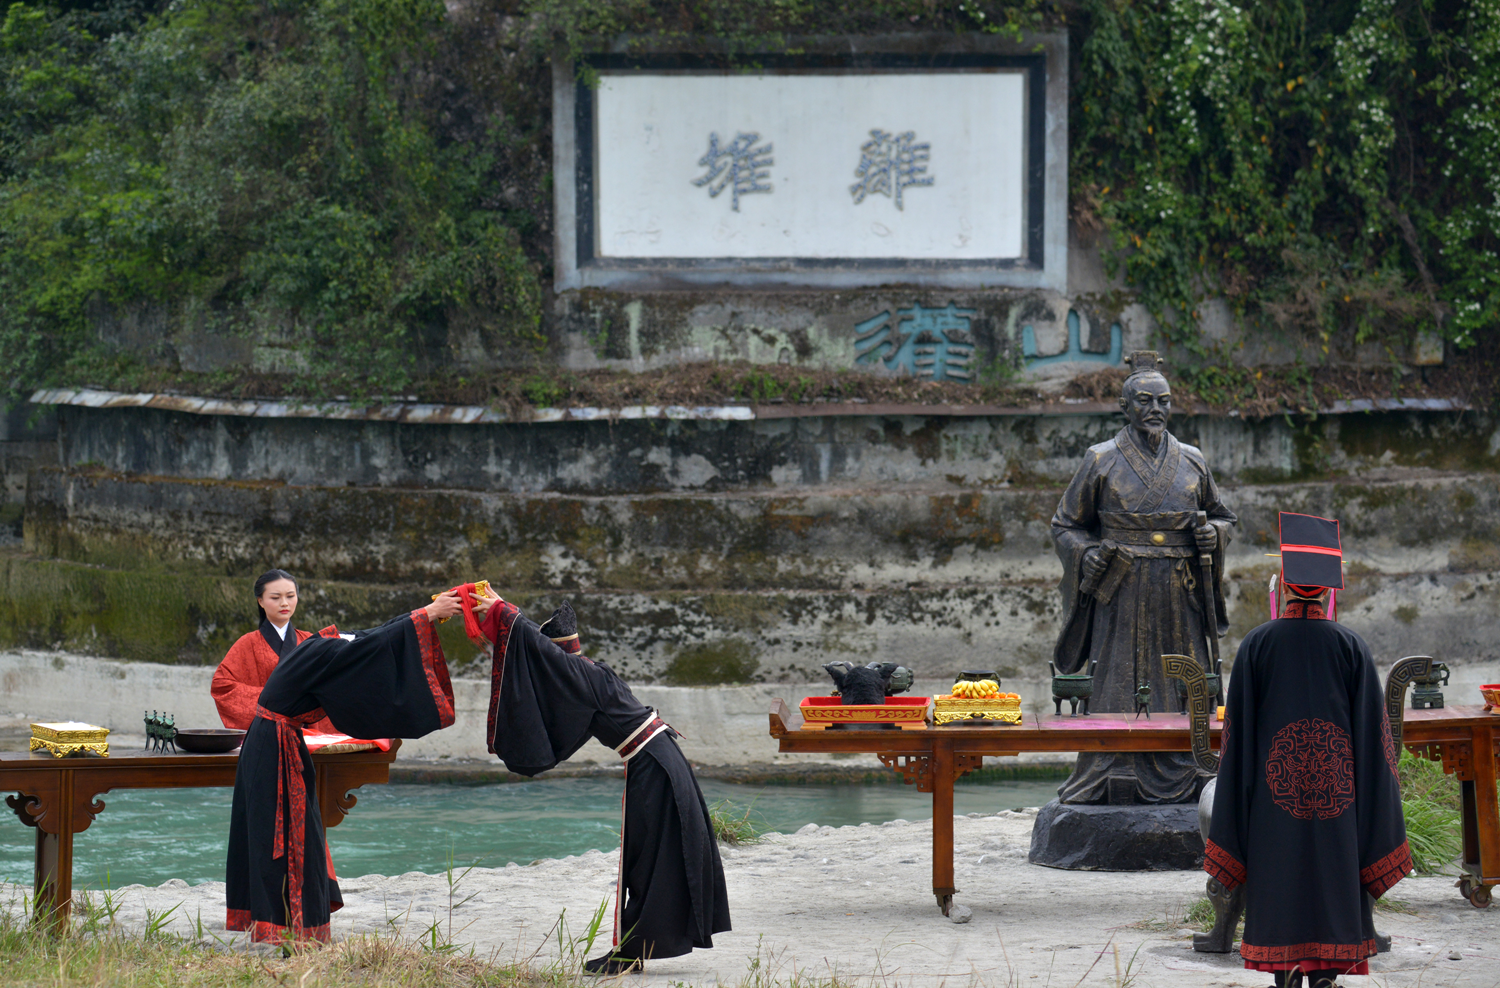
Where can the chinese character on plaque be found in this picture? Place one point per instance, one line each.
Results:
(890, 163)
(933, 343)
(738, 166)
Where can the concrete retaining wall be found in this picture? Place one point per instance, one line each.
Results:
(724, 726)
(813, 450)
(865, 538)
(713, 551)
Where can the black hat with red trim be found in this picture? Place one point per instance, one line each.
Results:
(1312, 557)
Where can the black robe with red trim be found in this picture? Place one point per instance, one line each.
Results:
(390, 681)
(545, 703)
(1307, 814)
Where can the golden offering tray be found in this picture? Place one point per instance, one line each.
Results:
(62, 738)
(949, 709)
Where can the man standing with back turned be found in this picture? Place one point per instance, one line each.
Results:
(1307, 815)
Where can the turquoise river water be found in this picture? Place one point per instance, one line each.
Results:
(149, 836)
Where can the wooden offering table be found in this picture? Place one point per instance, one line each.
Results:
(1467, 741)
(1463, 738)
(57, 796)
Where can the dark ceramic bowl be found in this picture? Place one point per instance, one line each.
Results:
(213, 741)
(975, 675)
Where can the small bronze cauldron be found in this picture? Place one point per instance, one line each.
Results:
(1425, 694)
(1075, 687)
(1211, 682)
(976, 676)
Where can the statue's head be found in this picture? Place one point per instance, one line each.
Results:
(1146, 398)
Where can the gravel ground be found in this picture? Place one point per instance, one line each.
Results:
(853, 902)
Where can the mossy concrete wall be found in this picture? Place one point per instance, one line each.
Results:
(749, 541)
(753, 552)
(784, 453)
(166, 615)
(28, 438)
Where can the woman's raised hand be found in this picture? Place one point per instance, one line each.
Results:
(447, 604)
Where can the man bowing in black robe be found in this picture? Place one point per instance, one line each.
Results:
(390, 681)
(546, 699)
(1307, 815)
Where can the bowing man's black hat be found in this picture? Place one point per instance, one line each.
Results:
(562, 628)
(1311, 554)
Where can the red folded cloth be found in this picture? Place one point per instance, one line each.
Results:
(471, 621)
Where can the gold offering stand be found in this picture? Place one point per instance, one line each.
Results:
(60, 739)
(948, 709)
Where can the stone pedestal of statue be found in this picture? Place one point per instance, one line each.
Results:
(1117, 838)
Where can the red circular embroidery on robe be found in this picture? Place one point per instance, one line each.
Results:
(1310, 769)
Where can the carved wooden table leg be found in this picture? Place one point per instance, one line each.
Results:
(1481, 820)
(942, 823)
(50, 811)
(336, 783)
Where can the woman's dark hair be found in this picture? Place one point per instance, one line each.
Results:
(271, 576)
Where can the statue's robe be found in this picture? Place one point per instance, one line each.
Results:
(1141, 502)
(247, 665)
(1307, 812)
(390, 681)
(544, 705)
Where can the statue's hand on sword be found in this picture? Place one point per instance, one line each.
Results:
(1207, 537)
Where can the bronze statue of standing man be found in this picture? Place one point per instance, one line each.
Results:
(1131, 542)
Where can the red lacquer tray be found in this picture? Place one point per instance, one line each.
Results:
(908, 712)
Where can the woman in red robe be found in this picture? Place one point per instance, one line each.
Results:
(249, 662)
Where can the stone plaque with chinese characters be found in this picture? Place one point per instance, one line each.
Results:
(895, 169)
(920, 165)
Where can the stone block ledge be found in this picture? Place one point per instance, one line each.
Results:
(427, 413)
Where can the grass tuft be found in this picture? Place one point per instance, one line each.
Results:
(1429, 801)
(733, 827)
(94, 953)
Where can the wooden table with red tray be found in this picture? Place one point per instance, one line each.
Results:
(1464, 739)
(58, 797)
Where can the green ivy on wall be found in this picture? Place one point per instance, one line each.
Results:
(361, 188)
(1320, 166)
(262, 167)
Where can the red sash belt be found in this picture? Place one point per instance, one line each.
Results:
(291, 826)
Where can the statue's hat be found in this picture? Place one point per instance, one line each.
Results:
(1311, 554)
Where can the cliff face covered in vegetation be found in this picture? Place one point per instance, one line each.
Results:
(356, 194)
